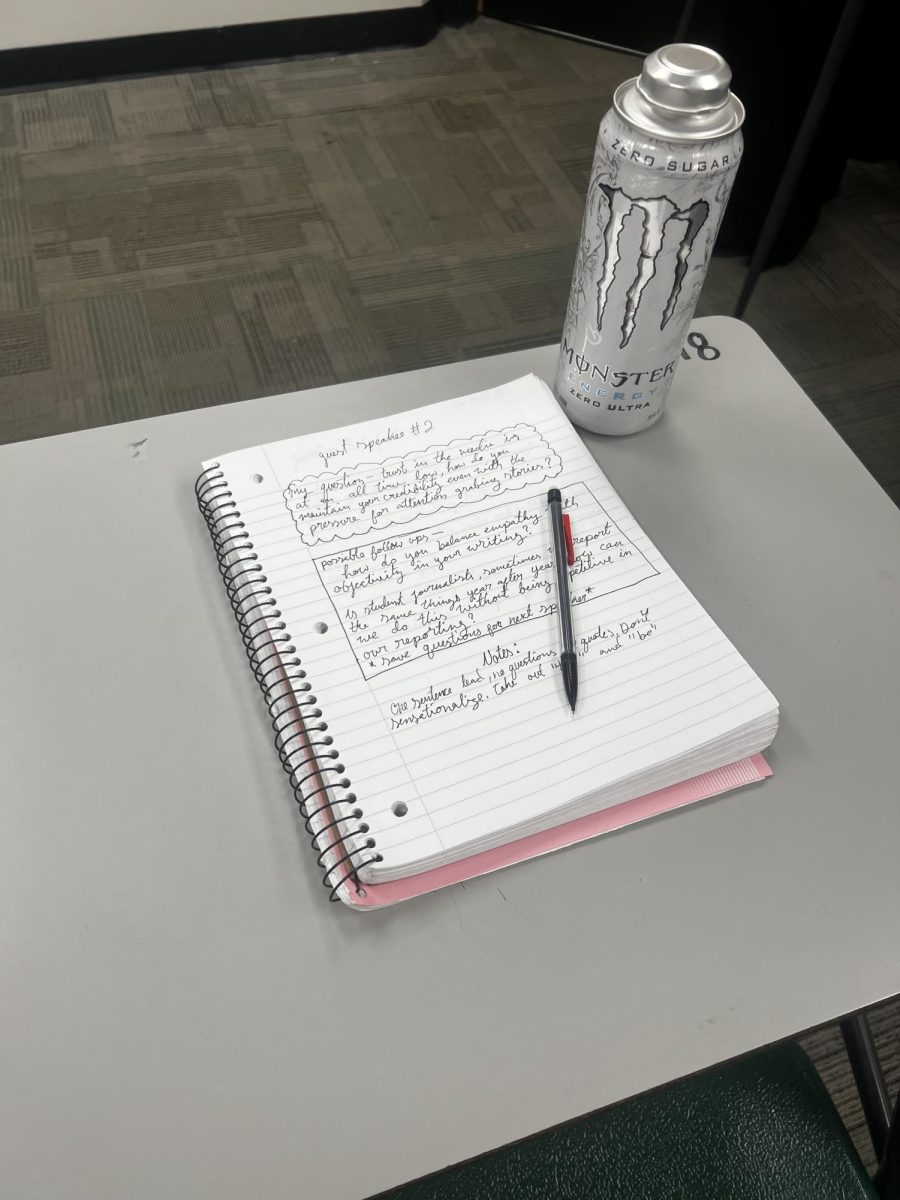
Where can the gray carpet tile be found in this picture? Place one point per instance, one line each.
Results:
(185, 240)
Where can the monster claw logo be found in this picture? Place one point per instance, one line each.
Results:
(656, 213)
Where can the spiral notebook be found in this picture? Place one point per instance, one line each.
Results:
(393, 584)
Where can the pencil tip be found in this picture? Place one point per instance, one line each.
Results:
(569, 664)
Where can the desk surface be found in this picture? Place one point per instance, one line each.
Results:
(184, 1014)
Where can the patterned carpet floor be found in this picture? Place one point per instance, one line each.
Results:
(183, 240)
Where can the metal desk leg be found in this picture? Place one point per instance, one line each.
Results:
(870, 1081)
(887, 1181)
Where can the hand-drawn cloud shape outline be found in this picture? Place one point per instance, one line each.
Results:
(542, 463)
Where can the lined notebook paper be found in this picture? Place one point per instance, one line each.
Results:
(411, 562)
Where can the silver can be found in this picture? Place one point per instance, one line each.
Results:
(665, 160)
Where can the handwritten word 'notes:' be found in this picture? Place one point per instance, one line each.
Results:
(500, 668)
(414, 595)
(378, 495)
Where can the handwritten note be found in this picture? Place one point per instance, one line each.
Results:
(417, 594)
(363, 497)
(500, 668)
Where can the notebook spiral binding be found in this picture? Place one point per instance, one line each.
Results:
(296, 718)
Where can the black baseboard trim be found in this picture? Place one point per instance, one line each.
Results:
(154, 53)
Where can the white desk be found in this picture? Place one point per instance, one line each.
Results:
(183, 1014)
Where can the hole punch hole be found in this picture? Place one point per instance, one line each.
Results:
(399, 809)
(256, 478)
(320, 627)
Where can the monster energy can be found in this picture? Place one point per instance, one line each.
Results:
(666, 156)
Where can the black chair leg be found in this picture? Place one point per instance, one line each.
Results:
(887, 1181)
(870, 1081)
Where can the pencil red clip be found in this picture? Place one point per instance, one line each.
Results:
(570, 545)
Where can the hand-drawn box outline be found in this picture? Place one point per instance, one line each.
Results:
(337, 551)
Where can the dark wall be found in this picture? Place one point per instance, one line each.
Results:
(776, 54)
(776, 50)
(36, 66)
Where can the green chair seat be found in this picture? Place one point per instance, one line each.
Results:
(762, 1128)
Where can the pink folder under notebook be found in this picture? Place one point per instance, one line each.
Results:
(702, 787)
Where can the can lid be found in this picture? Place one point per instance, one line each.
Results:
(682, 93)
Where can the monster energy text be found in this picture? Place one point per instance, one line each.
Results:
(606, 374)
